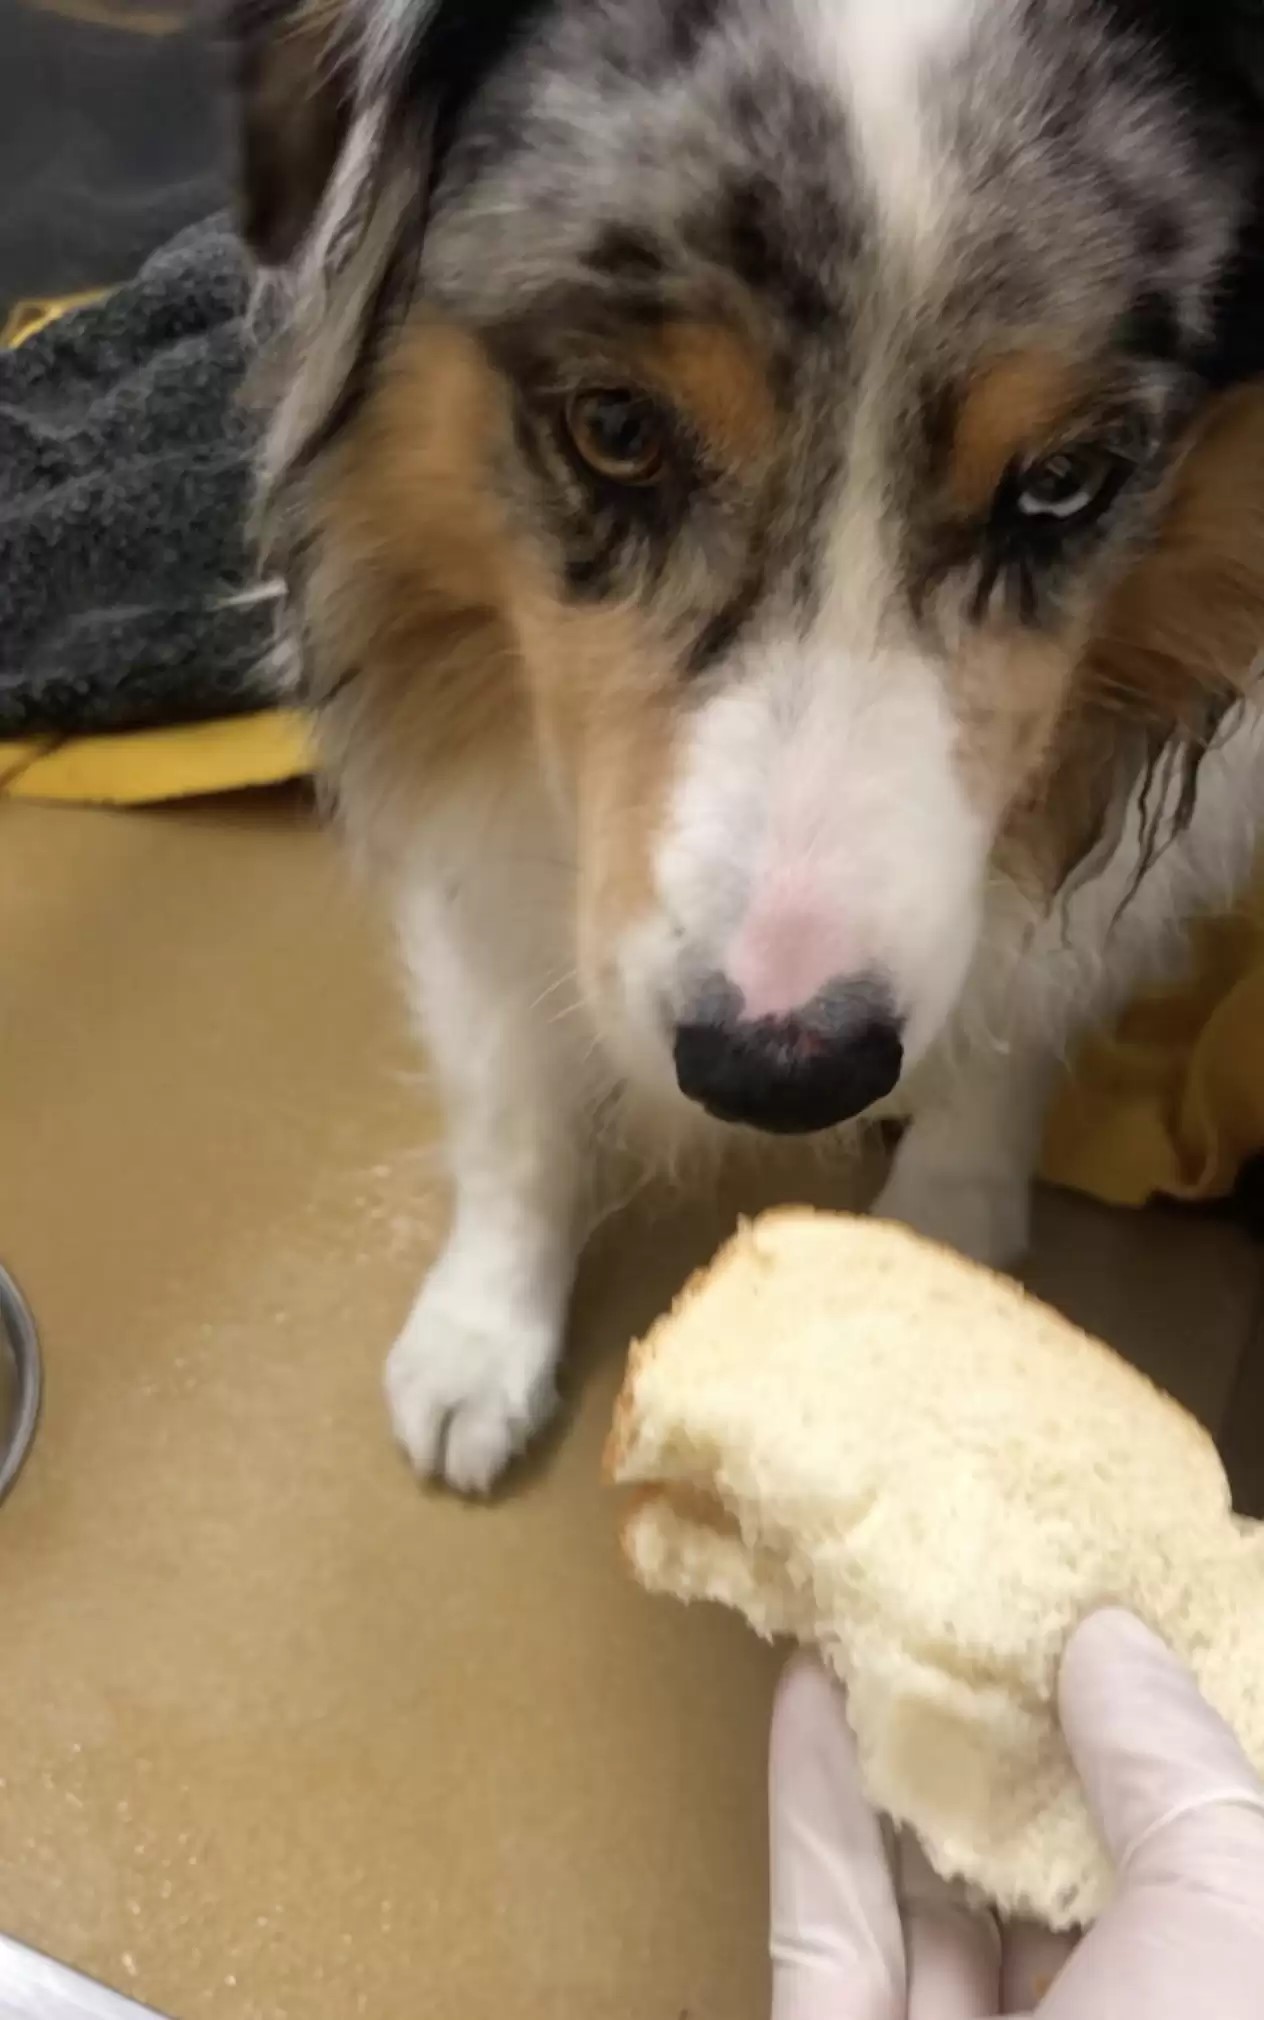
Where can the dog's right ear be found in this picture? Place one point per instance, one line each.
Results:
(294, 65)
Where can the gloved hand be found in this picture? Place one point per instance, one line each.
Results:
(857, 1937)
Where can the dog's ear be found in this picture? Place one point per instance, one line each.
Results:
(294, 70)
(299, 65)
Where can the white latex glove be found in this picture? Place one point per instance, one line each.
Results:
(1178, 1806)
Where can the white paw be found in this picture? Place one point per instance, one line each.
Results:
(986, 1216)
(467, 1396)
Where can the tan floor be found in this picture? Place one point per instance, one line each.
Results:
(279, 1734)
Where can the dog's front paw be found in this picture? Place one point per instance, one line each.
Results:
(466, 1395)
(986, 1216)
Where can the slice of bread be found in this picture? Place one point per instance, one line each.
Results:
(867, 1444)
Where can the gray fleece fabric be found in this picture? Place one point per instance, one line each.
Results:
(128, 596)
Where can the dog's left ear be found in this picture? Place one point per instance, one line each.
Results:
(301, 66)
(294, 64)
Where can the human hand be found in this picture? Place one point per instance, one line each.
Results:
(856, 1937)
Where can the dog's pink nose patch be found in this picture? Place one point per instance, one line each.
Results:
(787, 949)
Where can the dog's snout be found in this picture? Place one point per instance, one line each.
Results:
(795, 1074)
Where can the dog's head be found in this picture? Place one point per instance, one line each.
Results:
(757, 403)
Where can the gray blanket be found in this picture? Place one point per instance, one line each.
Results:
(127, 590)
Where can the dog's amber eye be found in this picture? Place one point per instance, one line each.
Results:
(619, 432)
(1069, 485)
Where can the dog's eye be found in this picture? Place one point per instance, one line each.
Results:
(1070, 485)
(618, 432)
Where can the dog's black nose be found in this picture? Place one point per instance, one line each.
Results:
(791, 1075)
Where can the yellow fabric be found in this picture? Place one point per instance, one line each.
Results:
(150, 765)
(146, 766)
(1172, 1101)
(25, 318)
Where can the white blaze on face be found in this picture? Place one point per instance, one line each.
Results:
(821, 835)
(820, 832)
(880, 52)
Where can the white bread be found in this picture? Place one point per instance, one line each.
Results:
(862, 1442)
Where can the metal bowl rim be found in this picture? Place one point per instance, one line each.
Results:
(17, 1333)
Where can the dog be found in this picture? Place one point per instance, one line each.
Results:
(771, 494)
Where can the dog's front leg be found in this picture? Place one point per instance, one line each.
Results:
(472, 1375)
(963, 1172)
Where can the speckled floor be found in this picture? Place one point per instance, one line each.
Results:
(281, 1737)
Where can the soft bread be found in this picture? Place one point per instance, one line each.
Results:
(865, 1443)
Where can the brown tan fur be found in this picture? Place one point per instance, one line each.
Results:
(603, 702)
(414, 665)
(296, 104)
(719, 381)
(603, 687)
(1187, 623)
(1180, 637)
(465, 657)
(1057, 817)
(463, 651)
(1014, 407)
(1009, 686)
(1010, 689)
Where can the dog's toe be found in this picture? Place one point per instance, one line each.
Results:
(465, 1400)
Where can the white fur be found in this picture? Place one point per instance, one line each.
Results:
(819, 824)
(486, 924)
(482, 922)
(881, 52)
(962, 1173)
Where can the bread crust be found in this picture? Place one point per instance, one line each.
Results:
(943, 1598)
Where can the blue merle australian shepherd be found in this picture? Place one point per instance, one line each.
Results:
(772, 500)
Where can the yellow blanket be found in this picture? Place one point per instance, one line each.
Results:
(1172, 1102)
(150, 765)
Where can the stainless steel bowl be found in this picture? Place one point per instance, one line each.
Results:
(21, 1381)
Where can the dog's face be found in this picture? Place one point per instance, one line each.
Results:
(784, 390)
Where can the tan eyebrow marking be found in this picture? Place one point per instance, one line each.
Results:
(1014, 406)
(719, 380)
